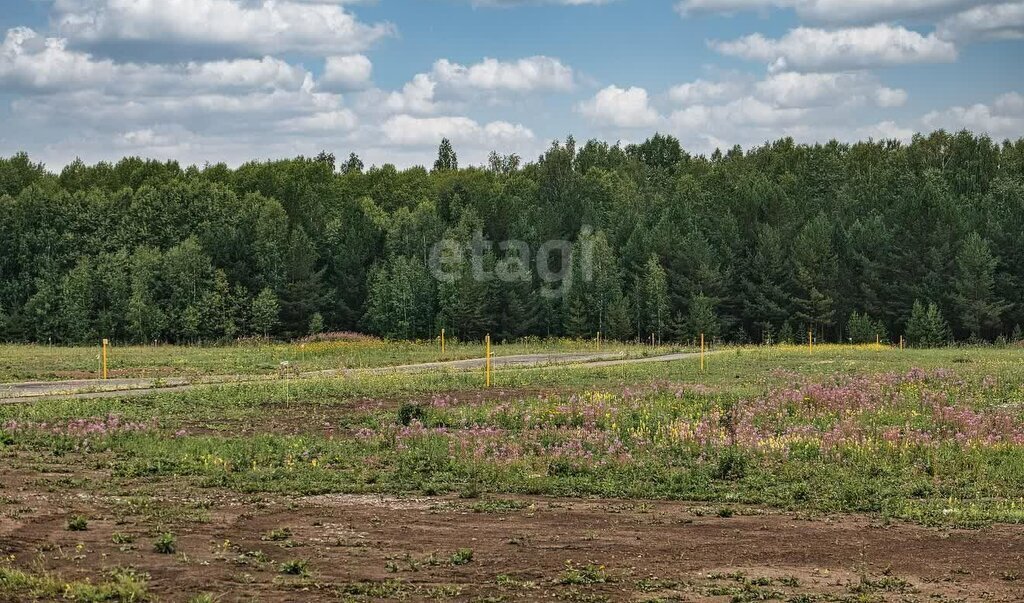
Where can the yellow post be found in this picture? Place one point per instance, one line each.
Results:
(105, 344)
(901, 342)
(442, 341)
(599, 341)
(810, 341)
(702, 352)
(878, 340)
(487, 360)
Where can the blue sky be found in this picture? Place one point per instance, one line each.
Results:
(232, 80)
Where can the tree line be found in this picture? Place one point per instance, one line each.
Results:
(850, 241)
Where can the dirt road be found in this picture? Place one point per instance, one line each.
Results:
(37, 390)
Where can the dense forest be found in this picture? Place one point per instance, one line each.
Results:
(920, 239)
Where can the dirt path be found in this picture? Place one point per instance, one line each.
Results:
(37, 390)
(513, 549)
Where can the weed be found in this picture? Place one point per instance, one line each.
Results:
(77, 523)
(461, 557)
(295, 567)
(582, 574)
(165, 543)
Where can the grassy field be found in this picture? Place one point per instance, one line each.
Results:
(48, 363)
(933, 438)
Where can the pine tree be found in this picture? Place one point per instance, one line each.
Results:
(974, 288)
(303, 292)
(786, 334)
(926, 327)
(316, 324)
(816, 274)
(702, 318)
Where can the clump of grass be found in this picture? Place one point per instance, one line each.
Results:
(498, 505)
(122, 538)
(583, 574)
(462, 556)
(409, 412)
(165, 544)
(295, 567)
(277, 535)
(78, 523)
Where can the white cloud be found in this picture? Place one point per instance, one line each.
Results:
(412, 131)
(259, 26)
(1003, 119)
(837, 11)
(703, 91)
(619, 107)
(325, 121)
(524, 75)
(449, 85)
(997, 21)
(743, 111)
(350, 72)
(417, 96)
(35, 64)
(808, 49)
(790, 89)
(515, 3)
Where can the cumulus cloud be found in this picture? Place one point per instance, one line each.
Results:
(837, 11)
(809, 49)
(524, 75)
(515, 3)
(993, 21)
(792, 89)
(703, 91)
(448, 85)
(620, 107)
(259, 27)
(32, 63)
(412, 131)
(350, 72)
(1002, 119)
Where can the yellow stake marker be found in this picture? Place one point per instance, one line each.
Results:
(599, 341)
(105, 344)
(810, 341)
(878, 340)
(442, 341)
(487, 360)
(702, 352)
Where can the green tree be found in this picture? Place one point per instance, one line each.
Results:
(447, 161)
(400, 302)
(927, 328)
(316, 324)
(974, 288)
(816, 274)
(652, 300)
(146, 319)
(265, 312)
(862, 329)
(702, 318)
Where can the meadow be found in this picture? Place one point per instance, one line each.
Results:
(924, 439)
(19, 362)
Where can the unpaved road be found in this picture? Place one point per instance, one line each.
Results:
(83, 388)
